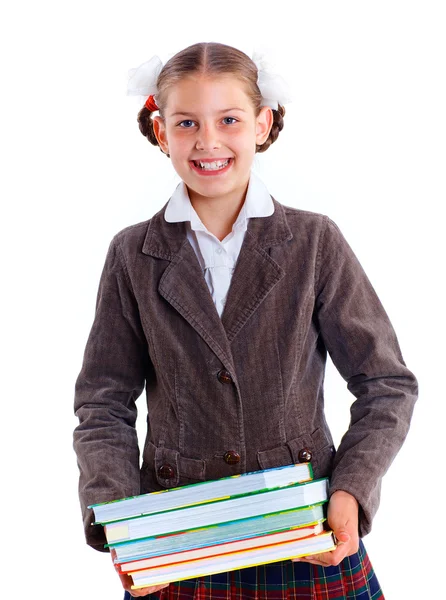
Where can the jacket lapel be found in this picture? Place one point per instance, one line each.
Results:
(183, 284)
(256, 273)
(184, 287)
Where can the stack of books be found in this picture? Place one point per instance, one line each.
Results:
(216, 526)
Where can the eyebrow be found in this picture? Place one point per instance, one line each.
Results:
(191, 114)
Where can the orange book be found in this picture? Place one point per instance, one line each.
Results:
(222, 549)
(322, 542)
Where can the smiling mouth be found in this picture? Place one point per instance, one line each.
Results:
(215, 165)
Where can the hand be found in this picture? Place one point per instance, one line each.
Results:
(127, 582)
(342, 518)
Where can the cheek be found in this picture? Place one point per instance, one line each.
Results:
(178, 144)
(247, 146)
(248, 139)
(178, 161)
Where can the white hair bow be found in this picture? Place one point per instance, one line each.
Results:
(142, 80)
(272, 86)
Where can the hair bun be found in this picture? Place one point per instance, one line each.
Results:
(146, 125)
(276, 128)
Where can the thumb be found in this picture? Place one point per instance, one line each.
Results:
(341, 536)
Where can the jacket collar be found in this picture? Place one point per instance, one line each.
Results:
(164, 240)
(258, 203)
(184, 287)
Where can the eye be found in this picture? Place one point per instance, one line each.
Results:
(187, 124)
(229, 120)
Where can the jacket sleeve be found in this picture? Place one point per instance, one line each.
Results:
(111, 378)
(363, 346)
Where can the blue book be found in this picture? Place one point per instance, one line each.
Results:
(222, 533)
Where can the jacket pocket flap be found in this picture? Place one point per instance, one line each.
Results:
(171, 469)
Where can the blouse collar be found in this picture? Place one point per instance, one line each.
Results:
(258, 203)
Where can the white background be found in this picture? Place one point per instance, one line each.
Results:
(364, 142)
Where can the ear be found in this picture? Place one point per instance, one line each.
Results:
(264, 122)
(159, 129)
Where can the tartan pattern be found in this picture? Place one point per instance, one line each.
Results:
(354, 579)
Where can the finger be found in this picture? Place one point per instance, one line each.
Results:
(147, 590)
(317, 562)
(141, 592)
(310, 559)
(333, 558)
(342, 551)
(156, 588)
(126, 580)
(342, 536)
(326, 558)
(113, 557)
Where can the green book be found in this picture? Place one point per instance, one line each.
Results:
(203, 492)
(221, 510)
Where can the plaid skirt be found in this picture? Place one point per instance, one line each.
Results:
(354, 578)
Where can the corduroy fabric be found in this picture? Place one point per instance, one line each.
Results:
(353, 579)
(297, 294)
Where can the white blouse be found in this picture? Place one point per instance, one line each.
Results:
(217, 258)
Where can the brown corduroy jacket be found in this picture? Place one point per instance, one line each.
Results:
(245, 391)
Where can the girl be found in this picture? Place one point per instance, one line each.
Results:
(224, 305)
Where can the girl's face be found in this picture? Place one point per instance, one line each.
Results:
(210, 131)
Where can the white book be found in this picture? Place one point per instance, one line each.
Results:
(198, 493)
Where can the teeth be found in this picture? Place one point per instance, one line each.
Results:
(214, 165)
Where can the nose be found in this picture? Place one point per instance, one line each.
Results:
(207, 138)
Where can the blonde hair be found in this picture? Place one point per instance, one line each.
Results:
(209, 59)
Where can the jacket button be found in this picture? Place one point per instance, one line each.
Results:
(224, 376)
(304, 455)
(231, 457)
(166, 471)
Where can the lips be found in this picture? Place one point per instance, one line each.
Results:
(211, 166)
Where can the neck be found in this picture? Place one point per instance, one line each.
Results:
(219, 214)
